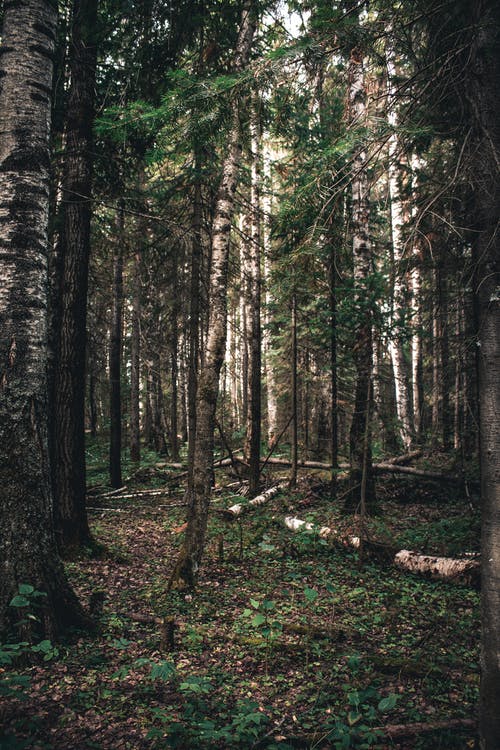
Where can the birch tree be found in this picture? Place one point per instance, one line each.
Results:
(28, 550)
(398, 297)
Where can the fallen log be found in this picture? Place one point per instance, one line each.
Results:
(110, 493)
(300, 464)
(318, 737)
(405, 458)
(239, 508)
(465, 570)
(438, 567)
(397, 731)
(296, 524)
(391, 468)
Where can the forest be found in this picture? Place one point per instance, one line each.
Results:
(249, 374)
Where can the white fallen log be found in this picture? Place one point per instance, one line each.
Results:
(296, 524)
(436, 567)
(239, 508)
(445, 568)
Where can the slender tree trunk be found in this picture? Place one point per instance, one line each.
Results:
(294, 450)
(436, 362)
(360, 459)
(135, 361)
(244, 316)
(334, 408)
(272, 404)
(254, 411)
(187, 567)
(115, 356)
(484, 96)
(398, 300)
(174, 361)
(194, 313)
(28, 550)
(416, 345)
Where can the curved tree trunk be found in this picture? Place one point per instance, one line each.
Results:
(187, 567)
(28, 550)
(71, 524)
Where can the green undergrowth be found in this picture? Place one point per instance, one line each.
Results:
(287, 642)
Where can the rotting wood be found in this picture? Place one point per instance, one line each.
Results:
(464, 570)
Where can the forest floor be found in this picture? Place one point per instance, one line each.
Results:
(288, 642)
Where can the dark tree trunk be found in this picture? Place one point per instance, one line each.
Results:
(73, 251)
(194, 314)
(361, 474)
(174, 360)
(294, 449)
(115, 357)
(484, 93)
(135, 361)
(28, 550)
(334, 441)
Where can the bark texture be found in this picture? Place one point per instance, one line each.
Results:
(398, 302)
(254, 287)
(187, 567)
(485, 100)
(73, 250)
(359, 439)
(115, 355)
(28, 551)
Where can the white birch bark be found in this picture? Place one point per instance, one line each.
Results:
(398, 300)
(272, 403)
(27, 549)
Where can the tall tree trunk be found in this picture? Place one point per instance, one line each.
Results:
(485, 99)
(115, 357)
(174, 360)
(359, 438)
(294, 450)
(398, 298)
(28, 550)
(436, 362)
(194, 313)
(71, 524)
(334, 407)
(135, 361)
(254, 285)
(272, 404)
(416, 339)
(187, 567)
